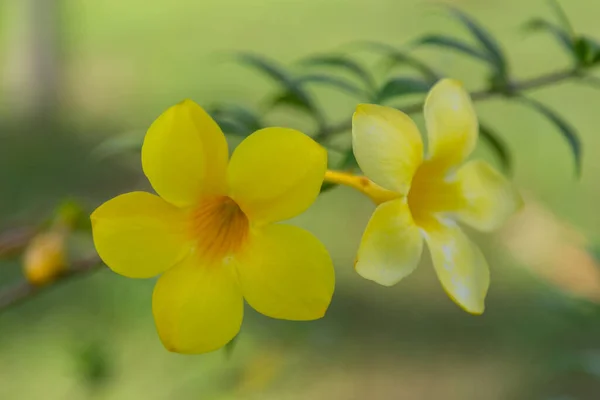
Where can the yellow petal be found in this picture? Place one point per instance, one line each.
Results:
(138, 234)
(197, 307)
(276, 174)
(460, 266)
(489, 198)
(451, 122)
(185, 154)
(387, 146)
(287, 274)
(391, 245)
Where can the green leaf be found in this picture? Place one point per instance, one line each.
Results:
(566, 129)
(267, 67)
(594, 50)
(587, 51)
(498, 146)
(428, 74)
(293, 95)
(294, 100)
(289, 99)
(486, 40)
(451, 43)
(397, 57)
(236, 119)
(401, 86)
(562, 17)
(71, 214)
(563, 37)
(232, 127)
(584, 50)
(333, 81)
(344, 63)
(246, 116)
(93, 364)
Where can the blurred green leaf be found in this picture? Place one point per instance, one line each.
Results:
(343, 63)
(562, 17)
(401, 86)
(293, 94)
(296, 100)
(93, 364)
(568, 131)
(498, 146)
(451, 43)
(236, 119)
(232, 127)
(72, 214)
(334, 81)
(397, 57)
(267, 67)
(587, 50)
(240, 113)
(290, 99)
(582, 51)
(563, 37)
(486, 40)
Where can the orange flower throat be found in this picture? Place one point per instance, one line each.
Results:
(219, 227)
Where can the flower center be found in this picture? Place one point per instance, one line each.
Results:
(219, 227)
(431, 193)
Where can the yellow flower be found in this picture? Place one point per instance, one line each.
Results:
(422, 198)
(212, 233)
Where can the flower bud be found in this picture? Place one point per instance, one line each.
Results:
(44, 258)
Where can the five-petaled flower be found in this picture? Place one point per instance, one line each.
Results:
(212, 231)
(423, 197)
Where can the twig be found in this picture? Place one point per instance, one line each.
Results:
(22, 291)
(480, 95)
(13, 240)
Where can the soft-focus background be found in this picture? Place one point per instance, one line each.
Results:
(75, 73)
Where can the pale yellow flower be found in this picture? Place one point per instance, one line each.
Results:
(423, 197)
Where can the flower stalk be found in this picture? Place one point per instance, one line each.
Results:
(361, 183)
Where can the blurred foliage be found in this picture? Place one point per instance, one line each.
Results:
(92, 363)
(344, 72)
(584, 51)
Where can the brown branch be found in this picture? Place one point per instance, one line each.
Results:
(479, 95)
(23, 291)
(14, 240)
